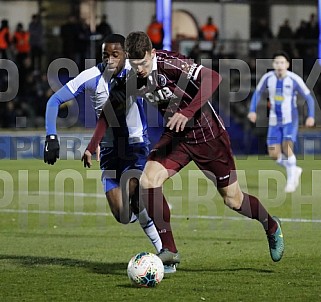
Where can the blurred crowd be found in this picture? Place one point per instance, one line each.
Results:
(27, 47)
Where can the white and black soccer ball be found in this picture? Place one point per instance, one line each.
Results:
(145, 270)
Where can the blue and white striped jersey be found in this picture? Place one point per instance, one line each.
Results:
(95, 84)
(283, 97)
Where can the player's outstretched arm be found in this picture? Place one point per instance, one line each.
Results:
(210, 81)
(51, 149)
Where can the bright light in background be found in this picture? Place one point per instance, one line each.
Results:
(159, 10)
(164, 15)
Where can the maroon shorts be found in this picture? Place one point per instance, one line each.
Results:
(214, 158)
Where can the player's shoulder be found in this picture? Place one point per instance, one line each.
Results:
(163, 55)
(172, 60)
(268, 76)
(90, 73)
(294, 76)
(84, 78)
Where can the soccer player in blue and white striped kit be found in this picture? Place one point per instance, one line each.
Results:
(125, 146)
(283, 87)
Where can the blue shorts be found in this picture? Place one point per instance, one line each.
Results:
(114, 162)
(277, 134)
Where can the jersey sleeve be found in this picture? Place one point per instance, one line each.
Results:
(311, 104)
(85, 81)
(207, 81)
(61, 96)
(257, 93)
(195, 81)
(306, 93)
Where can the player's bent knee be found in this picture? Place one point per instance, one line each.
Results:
(154, 175)
(123, 219)
(148, 182)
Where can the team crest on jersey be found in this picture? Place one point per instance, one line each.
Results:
(161, 80)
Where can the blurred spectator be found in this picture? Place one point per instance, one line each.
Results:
(104, 28)
(22, 50)
(286, 33)
(83, 43)
(36, 41)
(21, 43)
(262, 32)
(4, 39)
(155, 32)
(312, 28)
(210, 32)
(300, 36)
(69, 34)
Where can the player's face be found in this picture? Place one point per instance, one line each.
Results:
(143, 67)
(114, 57)
(280, 65)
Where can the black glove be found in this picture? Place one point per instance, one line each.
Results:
(51, 150)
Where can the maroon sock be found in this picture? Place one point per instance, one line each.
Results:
(158, 210)
(251, 207)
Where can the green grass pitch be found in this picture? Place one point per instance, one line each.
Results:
(59, 242)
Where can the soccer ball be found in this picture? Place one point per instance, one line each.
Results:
(145, 270)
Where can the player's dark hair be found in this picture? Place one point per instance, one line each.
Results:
(137, 44)
(115, 38)
(281, 53)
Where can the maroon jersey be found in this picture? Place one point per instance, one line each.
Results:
(177, 84)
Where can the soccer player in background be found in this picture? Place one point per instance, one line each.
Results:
(283, 86)
(181, 90)
(122, 148)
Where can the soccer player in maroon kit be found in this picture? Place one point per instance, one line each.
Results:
(194, 132)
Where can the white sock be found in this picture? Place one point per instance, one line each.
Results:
(281, 160)
(150, 230)
(290, 167)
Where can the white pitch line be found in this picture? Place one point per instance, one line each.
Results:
(77, 194)
(173, 216)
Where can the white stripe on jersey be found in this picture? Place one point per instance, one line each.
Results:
(197, 72)
(134, 123)
(216, 115)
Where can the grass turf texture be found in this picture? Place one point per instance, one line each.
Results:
(62, 244)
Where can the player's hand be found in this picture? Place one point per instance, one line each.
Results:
(51, 150)
(309, 122)
(177, 121)
(86, 158)
(252, 117)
